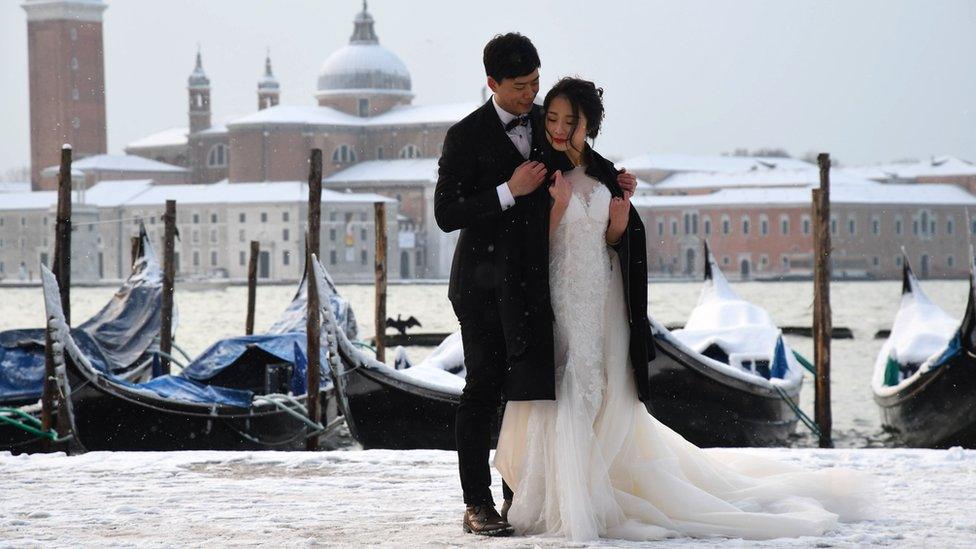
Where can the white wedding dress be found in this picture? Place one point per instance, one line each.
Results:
(593, 463)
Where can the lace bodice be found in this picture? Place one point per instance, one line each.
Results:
(579, 272)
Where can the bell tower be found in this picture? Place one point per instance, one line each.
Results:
(268, 87)
(198, 87)
(66, 63)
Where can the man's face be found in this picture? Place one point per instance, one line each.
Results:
(516, 95)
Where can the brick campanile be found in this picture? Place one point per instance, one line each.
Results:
(67, 80)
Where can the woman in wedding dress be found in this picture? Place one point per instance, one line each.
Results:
(594, 463)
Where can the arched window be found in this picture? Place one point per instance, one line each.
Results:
(343, 154)
(410, 151)
(218, 156)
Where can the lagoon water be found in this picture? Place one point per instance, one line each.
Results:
(864, 307)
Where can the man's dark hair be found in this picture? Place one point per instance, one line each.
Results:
(510, 56)
(583, 96)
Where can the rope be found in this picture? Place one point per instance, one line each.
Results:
(277, 398)
(29, 424)
(805, 363)
(172, 359)
(805, 419)
(364, 345)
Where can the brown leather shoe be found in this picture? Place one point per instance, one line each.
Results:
(506, 505)
(485, 521)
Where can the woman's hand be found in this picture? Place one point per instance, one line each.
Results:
(619, 217)
(560, 190)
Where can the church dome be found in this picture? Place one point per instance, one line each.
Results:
(363, 65)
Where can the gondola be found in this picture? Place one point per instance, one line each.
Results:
(120, 339)
(729, 378)
(924, 380)
(710, 402)
(243, 393)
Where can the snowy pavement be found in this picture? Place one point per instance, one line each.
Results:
(392, 498)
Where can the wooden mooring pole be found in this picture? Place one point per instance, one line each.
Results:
(312, 329)
(379, 271)
(169, 274)
(51, 397)
(821, 302)
(252, 286)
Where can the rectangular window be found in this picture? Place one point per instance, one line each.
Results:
(213, 235)
(726, 226)
(950, 226)
(674, 226)
(362, 235)
(875, 226)
(333, 257)
(284, 235)
(363, 107)
(379, 153)
(660, 228)
(213, 218)
(764, 227)
(898, 227)
(332, 235)
(195, 236)
(213, 259)
(264, 217)
(833, 226)
(241, 217)
(240, 236)
(950, 261)
(284, 217)
(851, 226)
(784, 226)
(196, 258)
(708, 227)
(285, 257)
(363, 256)
(196, 218)
(745, 226)
(242, 258)
(876, 261)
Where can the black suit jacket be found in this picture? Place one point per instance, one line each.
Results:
(501, 257)
(632, 252)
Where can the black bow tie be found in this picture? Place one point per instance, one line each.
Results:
(520, 120)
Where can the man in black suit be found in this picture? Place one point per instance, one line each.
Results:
(488, 165)
(490, 187)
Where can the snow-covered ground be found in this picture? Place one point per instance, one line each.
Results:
(392, 498)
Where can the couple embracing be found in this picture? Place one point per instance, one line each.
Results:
(549, 284)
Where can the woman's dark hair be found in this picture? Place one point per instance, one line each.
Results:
(510, 56)
(583, 96)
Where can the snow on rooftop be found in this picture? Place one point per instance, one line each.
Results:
(40, 200)
(225, 192)
(171, 137)
(943, 165)
(934, 194)
(758, 178)
(327, 116)
(118, 162)
(415, 169)
(710, 163)
(214, 130)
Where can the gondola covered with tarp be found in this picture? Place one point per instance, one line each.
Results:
(243, 393)
(725, 380)
(924, 379)
(120, 340)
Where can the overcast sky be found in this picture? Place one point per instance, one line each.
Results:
(867, 81)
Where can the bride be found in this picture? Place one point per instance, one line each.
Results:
(594, 463)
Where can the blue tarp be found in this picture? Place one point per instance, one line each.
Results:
(236, 356)
(187, 390)
(22, 362)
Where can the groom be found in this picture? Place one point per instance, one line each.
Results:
(490, 186)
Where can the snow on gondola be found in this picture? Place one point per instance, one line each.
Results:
(924, 379)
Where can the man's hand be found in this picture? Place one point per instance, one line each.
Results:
(527, 178)
(627, 181)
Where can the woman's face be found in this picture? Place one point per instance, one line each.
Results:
(559, 124)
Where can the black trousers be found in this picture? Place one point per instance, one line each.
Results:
(478, 412)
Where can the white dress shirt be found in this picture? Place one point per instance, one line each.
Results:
(521, 137)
